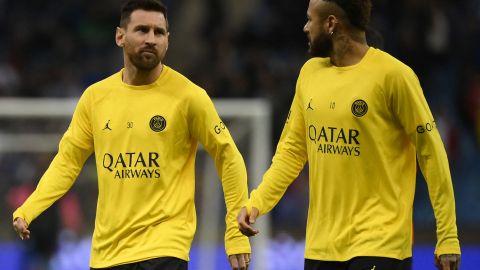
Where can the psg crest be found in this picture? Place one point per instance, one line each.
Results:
(158, 123)
(359, 108)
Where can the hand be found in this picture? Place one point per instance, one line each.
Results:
(447, 261)
(239, 261)
(244, 221)
(21, 227)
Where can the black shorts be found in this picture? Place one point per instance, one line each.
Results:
(361, 263)
(163, 263)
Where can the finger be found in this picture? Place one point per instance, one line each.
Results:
(247, 230)
(445, 262)
(253, 215)
(16, 226)
(437, 262)
(26, 234)
(454, 264)
(242, 215)
(241, 262)
(233, 262)
(23, 233)
(247, 257)
(21, 229)
(244, 222)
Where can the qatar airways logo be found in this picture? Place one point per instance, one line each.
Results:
(132, 165)
(336, 141)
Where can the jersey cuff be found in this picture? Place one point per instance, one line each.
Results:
(19, 214)
(447, 249)
(237, 245)
(253, 203)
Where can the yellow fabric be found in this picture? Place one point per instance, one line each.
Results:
(361, 168)
(146, 178)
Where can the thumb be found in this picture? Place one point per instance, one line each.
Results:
(20, 224)
(253, 215)
(242, 214)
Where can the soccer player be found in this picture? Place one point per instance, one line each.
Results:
(360, 119)
(143, 124)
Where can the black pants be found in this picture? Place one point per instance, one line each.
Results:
(361, 263)
(163, 263)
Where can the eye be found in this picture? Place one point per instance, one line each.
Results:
(160, 31)
(142, 29)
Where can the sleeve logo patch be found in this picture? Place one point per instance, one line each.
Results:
(158, 123)
(359, 108)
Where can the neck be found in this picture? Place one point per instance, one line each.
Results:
(348, 49)
(134, 76)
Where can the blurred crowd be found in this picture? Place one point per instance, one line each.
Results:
(253, 48)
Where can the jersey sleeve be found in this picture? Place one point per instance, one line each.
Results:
(207, 127)
(289, 159)
(75, 147)
(411, 109)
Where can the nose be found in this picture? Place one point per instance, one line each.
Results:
(150, 39)
(305, 28)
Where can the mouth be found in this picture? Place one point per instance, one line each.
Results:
(149, 51)
(309, 40)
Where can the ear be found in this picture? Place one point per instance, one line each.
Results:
(168, 41)
(120, 37)
(331, 24)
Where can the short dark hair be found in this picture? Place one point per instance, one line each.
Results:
(357, 11)
(148, 5)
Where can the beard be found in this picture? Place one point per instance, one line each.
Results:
(321, 45)
(145, 59)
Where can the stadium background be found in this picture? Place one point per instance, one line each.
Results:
(234, 49)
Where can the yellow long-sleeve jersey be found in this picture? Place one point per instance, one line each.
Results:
(145, 141)
(361, 128)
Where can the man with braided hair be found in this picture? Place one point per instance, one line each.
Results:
(360, 119)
